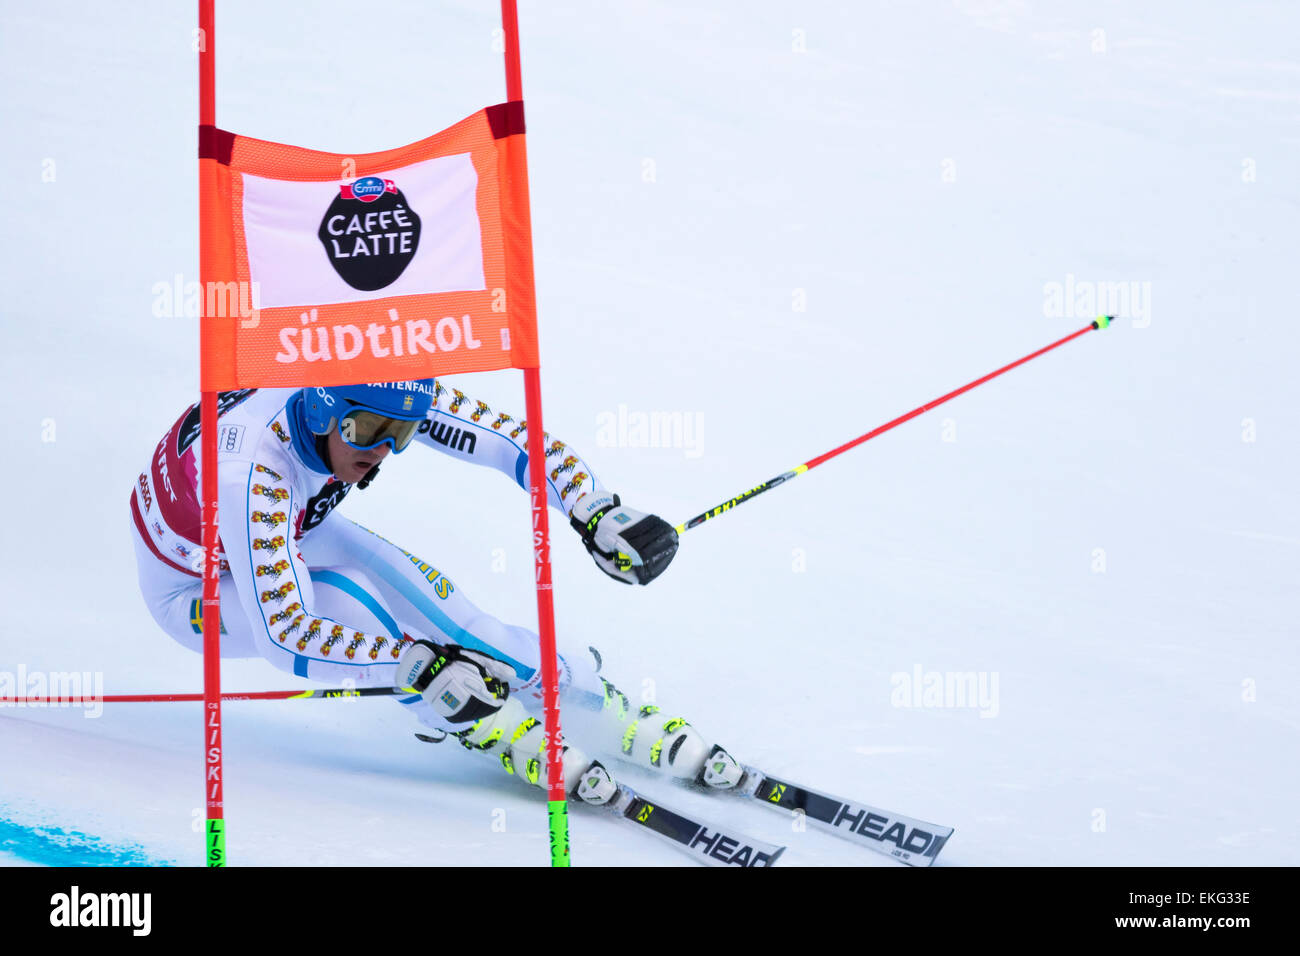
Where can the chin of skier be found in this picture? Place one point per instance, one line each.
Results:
(326, 599)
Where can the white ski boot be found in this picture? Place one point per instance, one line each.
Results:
(721, 771)
(596, 786)
(650, 739)
(519, 742)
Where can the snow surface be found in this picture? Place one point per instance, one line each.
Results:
(921, 171)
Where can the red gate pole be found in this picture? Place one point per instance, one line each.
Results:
(557, 805)
(216, 824)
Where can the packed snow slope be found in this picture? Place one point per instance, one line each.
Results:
(786, 223)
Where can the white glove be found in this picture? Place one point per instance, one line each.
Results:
(460, 685)
(629, 546)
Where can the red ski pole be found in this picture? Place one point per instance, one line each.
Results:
(1099, 323)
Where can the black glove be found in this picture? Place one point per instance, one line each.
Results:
(628, 545)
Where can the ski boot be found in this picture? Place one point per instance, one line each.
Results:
(650, 739)
(596, 786)
(519, 742)
(721, 771)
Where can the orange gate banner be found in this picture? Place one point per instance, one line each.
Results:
(331, 269)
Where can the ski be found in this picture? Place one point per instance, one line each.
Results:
(906, 839)
(707, 843)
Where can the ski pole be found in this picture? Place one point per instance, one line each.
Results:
(250, 695)
(1100, 322)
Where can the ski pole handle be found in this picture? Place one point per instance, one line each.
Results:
(742, 498)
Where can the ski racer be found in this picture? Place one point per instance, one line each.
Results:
(326, 599)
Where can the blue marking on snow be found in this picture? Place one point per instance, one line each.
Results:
(53, 846)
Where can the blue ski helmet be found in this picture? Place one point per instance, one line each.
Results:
(367, 416)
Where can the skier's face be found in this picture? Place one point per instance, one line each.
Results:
(351, 464)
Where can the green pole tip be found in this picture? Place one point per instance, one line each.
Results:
(1102, 321)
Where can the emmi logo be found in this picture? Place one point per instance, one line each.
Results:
(102, 909)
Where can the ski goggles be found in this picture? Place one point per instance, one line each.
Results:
(363, 430)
